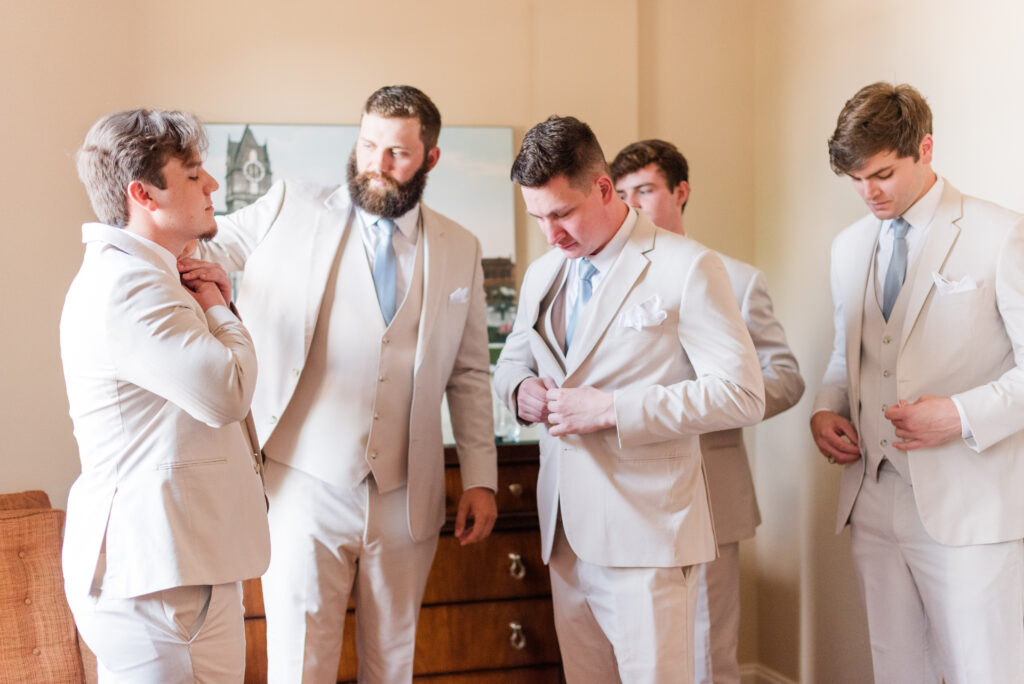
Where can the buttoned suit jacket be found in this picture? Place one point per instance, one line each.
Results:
(967, 344)
(635, 495)
(170, 489)
(286, 243)
(730, 484)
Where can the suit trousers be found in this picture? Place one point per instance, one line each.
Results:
(717, 626)
(955, 612)
(632, 625)
(179, 635)
(329, 543)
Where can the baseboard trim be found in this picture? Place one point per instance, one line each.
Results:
(756, 673)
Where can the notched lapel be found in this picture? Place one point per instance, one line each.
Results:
(861, 257)
(435, 256)
(942, 236)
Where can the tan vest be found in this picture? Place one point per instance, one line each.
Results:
(879, 350)
(349, 415)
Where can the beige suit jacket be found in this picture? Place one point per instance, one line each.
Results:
(968, 344)
(286, 243)
(636, 495)
(730, 483)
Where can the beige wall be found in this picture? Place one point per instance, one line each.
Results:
(749, 90)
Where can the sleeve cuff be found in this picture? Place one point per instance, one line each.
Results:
(965, 428)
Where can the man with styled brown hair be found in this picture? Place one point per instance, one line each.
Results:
(367, 308)
(168, 515)
(627, 345)
(922, 403)
(652, 176)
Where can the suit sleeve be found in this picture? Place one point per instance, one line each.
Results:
(728, 390)
(516, 362)
(469, 392)
(240, 232)
(204, 365)
(833, 395)
(995, 410)
(783, 384)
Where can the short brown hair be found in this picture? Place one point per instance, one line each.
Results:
(670, 162)
(134, 145)
(881, 117)
(559, 146)
(407, 102)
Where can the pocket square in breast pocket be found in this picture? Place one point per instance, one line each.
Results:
(645, 314)
(459, 295)
(945, 286)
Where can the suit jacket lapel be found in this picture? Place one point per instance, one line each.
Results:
(942, 236)
(435, 256)
(328, 231)
(614, 288)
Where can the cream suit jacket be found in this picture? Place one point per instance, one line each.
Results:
(968, 344)
(730, 483)
(636, 495)
(286, 243)
(170, 486)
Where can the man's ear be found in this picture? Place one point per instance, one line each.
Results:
(607, 188)
(682, 193)
(926, 148)
(139, 193)
(432, 157)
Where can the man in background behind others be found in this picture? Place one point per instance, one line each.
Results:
(653, 177)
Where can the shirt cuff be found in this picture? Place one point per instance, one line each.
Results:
(965, 428)
(219, 315)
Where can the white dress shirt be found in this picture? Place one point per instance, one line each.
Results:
(602, 261)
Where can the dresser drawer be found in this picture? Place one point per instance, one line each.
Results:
(505, 565)
(485, 636)
(520, 675)
(517, 488)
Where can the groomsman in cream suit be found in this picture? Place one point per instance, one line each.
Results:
(922, 403)
(168, 515)
(366, 308)
(627, 346)
(652, 176)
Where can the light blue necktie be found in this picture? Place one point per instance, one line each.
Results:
(897, 272)
(585, 271)
(384, 269)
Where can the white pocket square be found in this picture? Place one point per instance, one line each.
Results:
(459, 295)
(945, 286)
(644, 314)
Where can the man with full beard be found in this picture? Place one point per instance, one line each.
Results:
(366, 307)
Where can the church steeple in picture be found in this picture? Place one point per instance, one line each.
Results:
(248, 175)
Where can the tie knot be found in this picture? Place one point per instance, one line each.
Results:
(900, 227)
(587, 270)
(386, 225)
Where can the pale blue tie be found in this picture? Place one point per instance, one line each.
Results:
(897, 272)
(584, 271)
(384, 269)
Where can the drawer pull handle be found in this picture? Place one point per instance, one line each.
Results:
(515, 489)
(517, 639)
(516, 567)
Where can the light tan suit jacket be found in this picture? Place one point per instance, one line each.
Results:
(636, 495)
(730, 484)
(968, 344)
(286, 243)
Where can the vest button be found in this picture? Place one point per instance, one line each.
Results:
(886, 374)
(374, 455)
(884, 442)
(295, 372)
(376, 416)
(886, 340)
(381, 378)
(884, 407)
(385, 340)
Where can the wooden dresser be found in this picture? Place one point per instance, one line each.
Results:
(486, 616)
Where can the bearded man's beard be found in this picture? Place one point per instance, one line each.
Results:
(391, 201)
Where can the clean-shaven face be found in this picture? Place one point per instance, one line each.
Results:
(572, 220)
(185, 208)
(890, 184)
(647, 190)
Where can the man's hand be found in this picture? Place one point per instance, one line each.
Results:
(929, 421)
(579, 410)
(195, 273)
(835, 436)
(532, 399)
(476, 503)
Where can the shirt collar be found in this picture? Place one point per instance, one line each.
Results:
(921, 213)
(604, 259)
(407, 223)
(101, 231)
